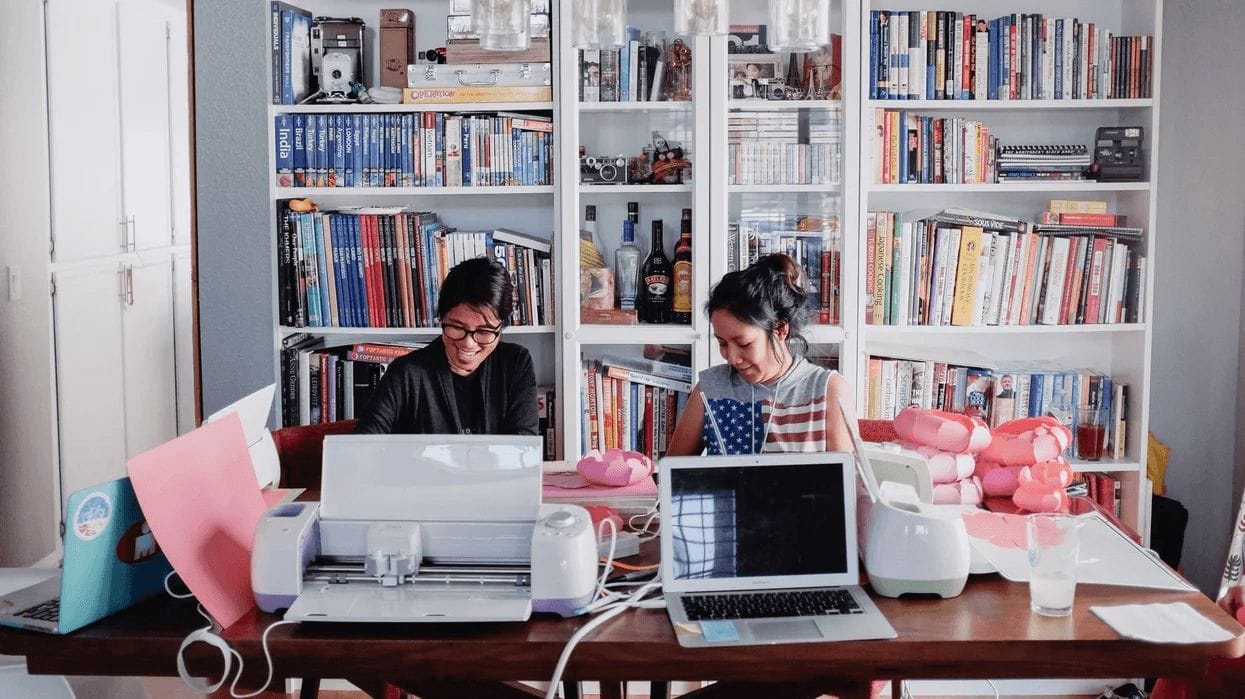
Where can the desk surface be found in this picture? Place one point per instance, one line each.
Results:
(988, 631)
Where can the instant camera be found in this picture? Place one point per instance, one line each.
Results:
(337, 59)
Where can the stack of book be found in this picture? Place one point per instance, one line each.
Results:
(325, 384)
(1045, 162)
(632, 403)
(784, 147)
(814, 242)
(561, 484)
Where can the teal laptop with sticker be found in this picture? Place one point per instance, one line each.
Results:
(112, 561)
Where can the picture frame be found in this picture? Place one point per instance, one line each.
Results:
(751, 73)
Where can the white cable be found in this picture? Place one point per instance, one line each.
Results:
(177, 595)
(607, 613)
(995, 688)
(651, 515)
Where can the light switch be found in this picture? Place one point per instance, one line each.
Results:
(15, 284)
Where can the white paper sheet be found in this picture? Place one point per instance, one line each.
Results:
(1174, 622)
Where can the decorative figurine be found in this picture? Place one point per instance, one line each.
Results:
(676, 83)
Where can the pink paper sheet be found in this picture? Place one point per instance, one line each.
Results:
(200, 497)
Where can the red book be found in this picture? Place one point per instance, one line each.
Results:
(1085, 218)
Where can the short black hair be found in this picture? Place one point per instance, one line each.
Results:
(480, 283)
(767, 294)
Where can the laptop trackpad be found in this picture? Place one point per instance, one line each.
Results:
(785, 630)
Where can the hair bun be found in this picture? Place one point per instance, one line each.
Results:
(791, 272)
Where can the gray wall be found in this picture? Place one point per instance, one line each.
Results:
(234, 242)
(1198, 271)
(1198, 261)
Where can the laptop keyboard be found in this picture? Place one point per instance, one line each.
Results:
(47, 611)
(760, 605)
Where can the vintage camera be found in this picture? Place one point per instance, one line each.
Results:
(603, 169)
(337, 55)
(782, 91)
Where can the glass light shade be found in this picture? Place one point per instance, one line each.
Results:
(799, 25)
(502, 25)
(599, 24)
(701, 17)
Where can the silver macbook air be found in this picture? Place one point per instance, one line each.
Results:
(762, 549)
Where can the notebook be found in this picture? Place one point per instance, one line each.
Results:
(762, 549)
(111, 562)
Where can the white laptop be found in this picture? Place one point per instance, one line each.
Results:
(253, 412)
(762, 549)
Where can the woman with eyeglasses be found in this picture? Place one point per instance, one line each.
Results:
(467, 381)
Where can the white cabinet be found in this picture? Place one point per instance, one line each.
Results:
(114, 365)
(109, 118)
(90, 382)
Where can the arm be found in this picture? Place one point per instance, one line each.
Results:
(837, 436)
(520, 416)
(687, 439)
(1233, 600)
(389, 403)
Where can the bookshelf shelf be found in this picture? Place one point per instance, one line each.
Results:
(406, 332)
(1011, 105)
(392, 192)
(1105, 466)
(915, 332)
(410, 108)
(607, 190)
(597, 334)
(588, 107)
(781, 105)
(1084, 186)
(762, 188)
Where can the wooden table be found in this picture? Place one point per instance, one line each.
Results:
(987, 632)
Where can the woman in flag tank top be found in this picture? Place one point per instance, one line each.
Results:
(767, 397)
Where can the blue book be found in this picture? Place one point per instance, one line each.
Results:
(408, 153)
(287, 38)
(322, 269)
(274, 46)
(346, 170)
(356, 140)
(322, 150)
(365, 150)
(467, 151)
(309, 150)
(345, 312)
(378, 160)
(307, 236)
(300, 150)
(339, 150)
(285, 150)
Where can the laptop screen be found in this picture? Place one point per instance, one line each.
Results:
(774, 520)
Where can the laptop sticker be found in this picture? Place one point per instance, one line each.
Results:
(92, 517)
(719, 631)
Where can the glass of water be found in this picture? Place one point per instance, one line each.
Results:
(1054, 543)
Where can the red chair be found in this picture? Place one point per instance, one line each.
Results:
(300, 449)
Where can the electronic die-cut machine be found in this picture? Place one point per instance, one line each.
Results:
(420, 528)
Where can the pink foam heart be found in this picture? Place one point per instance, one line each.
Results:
(615, 467)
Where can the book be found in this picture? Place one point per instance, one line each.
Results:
(506, 235)
(483, 94)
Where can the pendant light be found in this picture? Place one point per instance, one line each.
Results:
(799, 25)
(599, 24)
(502, 25)
(701, 17)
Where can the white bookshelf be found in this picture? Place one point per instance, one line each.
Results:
(1122, 351)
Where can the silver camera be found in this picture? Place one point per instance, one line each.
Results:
(602, 169)
(337, 72)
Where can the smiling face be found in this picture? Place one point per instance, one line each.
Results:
(748, 348)
(466, 355)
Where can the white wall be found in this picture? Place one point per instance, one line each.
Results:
(1198, 271)
(27, 442)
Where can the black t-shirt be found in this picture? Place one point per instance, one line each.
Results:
(470, 402)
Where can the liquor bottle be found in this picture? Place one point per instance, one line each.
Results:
(682, 305)
(655, 282)
(627, 267)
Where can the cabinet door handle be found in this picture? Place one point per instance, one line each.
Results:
(129, 285)
(131, 234)
(124, 225)
(121, 283)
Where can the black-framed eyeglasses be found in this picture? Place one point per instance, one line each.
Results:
(482, 336)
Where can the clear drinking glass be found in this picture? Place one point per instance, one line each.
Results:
(599, 24)
(1054, 544)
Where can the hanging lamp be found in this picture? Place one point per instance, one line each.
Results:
(799, 25)
(701, 17)
(599, 24)
(502, 25)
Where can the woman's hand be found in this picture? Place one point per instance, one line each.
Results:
(1233, 599)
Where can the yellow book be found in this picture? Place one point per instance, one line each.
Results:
(1068, 206)
(966, 275)
(480, 94)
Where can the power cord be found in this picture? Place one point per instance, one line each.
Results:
(607, 611)
(208, 635)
